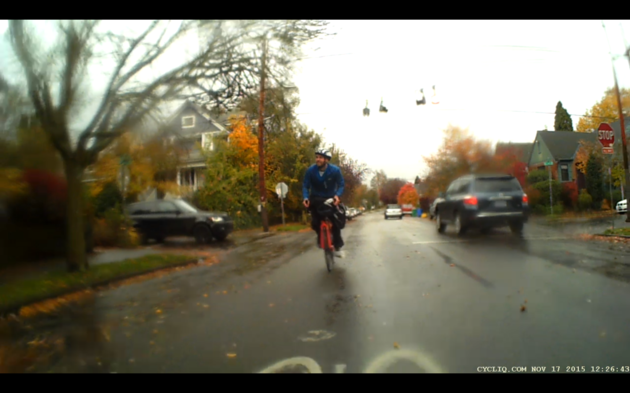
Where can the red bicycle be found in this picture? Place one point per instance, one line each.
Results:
(325, 238)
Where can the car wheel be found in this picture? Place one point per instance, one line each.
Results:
(459, 228)
(517, 227)
(202, 234)
(221, 236)
(438, 222)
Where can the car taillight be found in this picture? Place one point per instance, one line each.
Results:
(470, 201)
(525, 199)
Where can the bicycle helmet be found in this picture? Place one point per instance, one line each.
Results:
(323, 152)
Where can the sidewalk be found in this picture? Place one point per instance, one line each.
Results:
(589, 226)
(111, 255)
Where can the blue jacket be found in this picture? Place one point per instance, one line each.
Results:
(326, 186)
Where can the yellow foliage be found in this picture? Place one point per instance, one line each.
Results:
(11, 183)
(244, 142)
(146, 161)
(605, 111)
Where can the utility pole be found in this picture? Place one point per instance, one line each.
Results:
(624, 147)
(261, 146)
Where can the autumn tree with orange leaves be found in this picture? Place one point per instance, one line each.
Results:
(408, 195)
(245, 143)
(459, 154)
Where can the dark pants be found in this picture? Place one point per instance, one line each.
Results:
(316, 222)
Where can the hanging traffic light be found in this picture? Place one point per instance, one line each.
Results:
(366, 110)
(382, 109)
(435, 98)
(423, 100)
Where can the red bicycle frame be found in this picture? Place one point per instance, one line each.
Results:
(325, 234)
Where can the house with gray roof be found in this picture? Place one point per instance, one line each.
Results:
(559, 147)
(194, 128)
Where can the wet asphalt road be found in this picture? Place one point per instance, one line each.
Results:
(405, 299)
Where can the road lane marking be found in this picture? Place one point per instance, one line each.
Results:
(384, 361)
(317, 335)
(310, 364)
(340, 368)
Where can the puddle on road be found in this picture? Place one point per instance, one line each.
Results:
(317, 335)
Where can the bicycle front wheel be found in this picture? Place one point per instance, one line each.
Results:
(330, 260)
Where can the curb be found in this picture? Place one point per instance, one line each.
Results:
(616, 236)
(571, 222)
(256, 238)
(5, 312)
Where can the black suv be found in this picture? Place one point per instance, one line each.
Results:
(163, 218)
(484, 202)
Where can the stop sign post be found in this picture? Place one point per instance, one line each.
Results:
(606, 137)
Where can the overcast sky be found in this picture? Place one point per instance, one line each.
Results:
(485, 73)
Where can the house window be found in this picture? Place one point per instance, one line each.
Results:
(187, 177)
(564, 172)
(208, 141)
(188, 121)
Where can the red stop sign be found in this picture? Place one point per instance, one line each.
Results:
(606, 135)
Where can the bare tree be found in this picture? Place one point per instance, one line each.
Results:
(220, 69)
(285, 41)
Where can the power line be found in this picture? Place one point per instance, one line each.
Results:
(487, 110)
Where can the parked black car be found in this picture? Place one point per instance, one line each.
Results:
(163, 218)
(484, 202)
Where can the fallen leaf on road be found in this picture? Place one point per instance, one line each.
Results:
(151, 343)
(452, 264)
(155, 332)
(225, 292)
(271, 304)
(205, 306)
(205, 295)
(246, 286)
(523, 308)
(231, 355)
(131, 360)
(525, 301)
(396, 346)
(158, 311)
(268, 282)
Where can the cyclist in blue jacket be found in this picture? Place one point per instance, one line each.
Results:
(322, 181)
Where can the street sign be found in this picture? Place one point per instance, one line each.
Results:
(606, 136)
(281, 190)
(549, 163)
